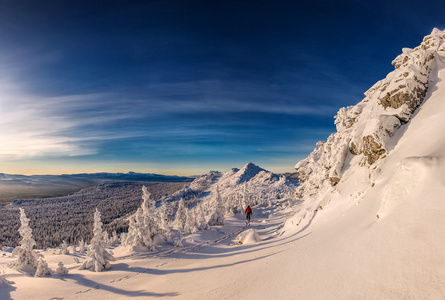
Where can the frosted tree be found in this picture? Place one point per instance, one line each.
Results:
(217, 217)
(65, 250)
(142, 225)
(81, 245)
(200, 218)
(190, 222)
(97, 259)
(42, 268)
(164, 226)
(114, 238)
(148, 205)
(61, 270)
(181, 215)
(245, 198)
(24, 253)
(269, 202)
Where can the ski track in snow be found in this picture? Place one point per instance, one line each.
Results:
(168, 253)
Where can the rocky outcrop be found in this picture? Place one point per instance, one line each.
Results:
(366, 128)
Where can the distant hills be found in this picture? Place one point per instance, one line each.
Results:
(14, 186)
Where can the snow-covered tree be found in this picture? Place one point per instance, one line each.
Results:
(24, 253)
(190, 222)
(42, 268)
(65, 250)
(81, 245)
(217, 217)
(142, 225)
(246, 201)
(114, 238)
(181, 215)
(61, 270)
(200, 218)
(164, 227)
(97, 258)
(269, 202)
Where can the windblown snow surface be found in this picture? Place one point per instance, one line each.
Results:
(378, 233)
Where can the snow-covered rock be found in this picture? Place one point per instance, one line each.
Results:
(366, 129)
(248, 237)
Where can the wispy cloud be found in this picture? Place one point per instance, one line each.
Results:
(36, 126)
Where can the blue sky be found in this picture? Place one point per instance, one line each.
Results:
(183, 87)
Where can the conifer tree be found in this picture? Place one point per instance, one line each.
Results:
(81, 245)
(217, 218)
(65, 250)
(61, 270)
(24, 253)
(42, 268)
(142, 225)
(164, 226)
(181, 215)
(98, 259)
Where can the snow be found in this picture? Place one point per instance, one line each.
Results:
(248, 237)
(377, 233)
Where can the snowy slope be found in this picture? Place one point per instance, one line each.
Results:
(375, 233)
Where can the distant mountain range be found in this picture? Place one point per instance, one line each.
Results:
(14, 186)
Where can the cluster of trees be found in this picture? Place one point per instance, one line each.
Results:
(69, 218)
(97, 259)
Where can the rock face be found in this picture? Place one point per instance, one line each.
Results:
(366, 128)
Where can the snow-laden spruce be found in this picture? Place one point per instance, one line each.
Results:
(64, 249)
(217, 217)
(61, 270)
(98, 258)
(81, 245)
(42, 268)
(365, 129)
(26, 256)
(142, 225)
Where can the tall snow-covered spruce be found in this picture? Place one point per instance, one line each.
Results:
(26, 256)
(98, 259)
(142, 225)
(217, 217)
(364, 131)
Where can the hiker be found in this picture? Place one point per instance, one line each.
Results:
(248, 213)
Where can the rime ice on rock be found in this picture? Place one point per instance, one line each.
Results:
(98, 259)
(365, 129)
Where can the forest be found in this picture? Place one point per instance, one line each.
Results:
(70, 218)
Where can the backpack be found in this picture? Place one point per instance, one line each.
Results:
(248, 210)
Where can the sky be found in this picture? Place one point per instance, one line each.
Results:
(184, 87)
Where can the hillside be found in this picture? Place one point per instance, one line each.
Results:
(368, 222)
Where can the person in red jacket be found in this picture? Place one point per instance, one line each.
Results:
(248, 213)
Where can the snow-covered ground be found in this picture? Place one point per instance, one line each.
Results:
(375, 231)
